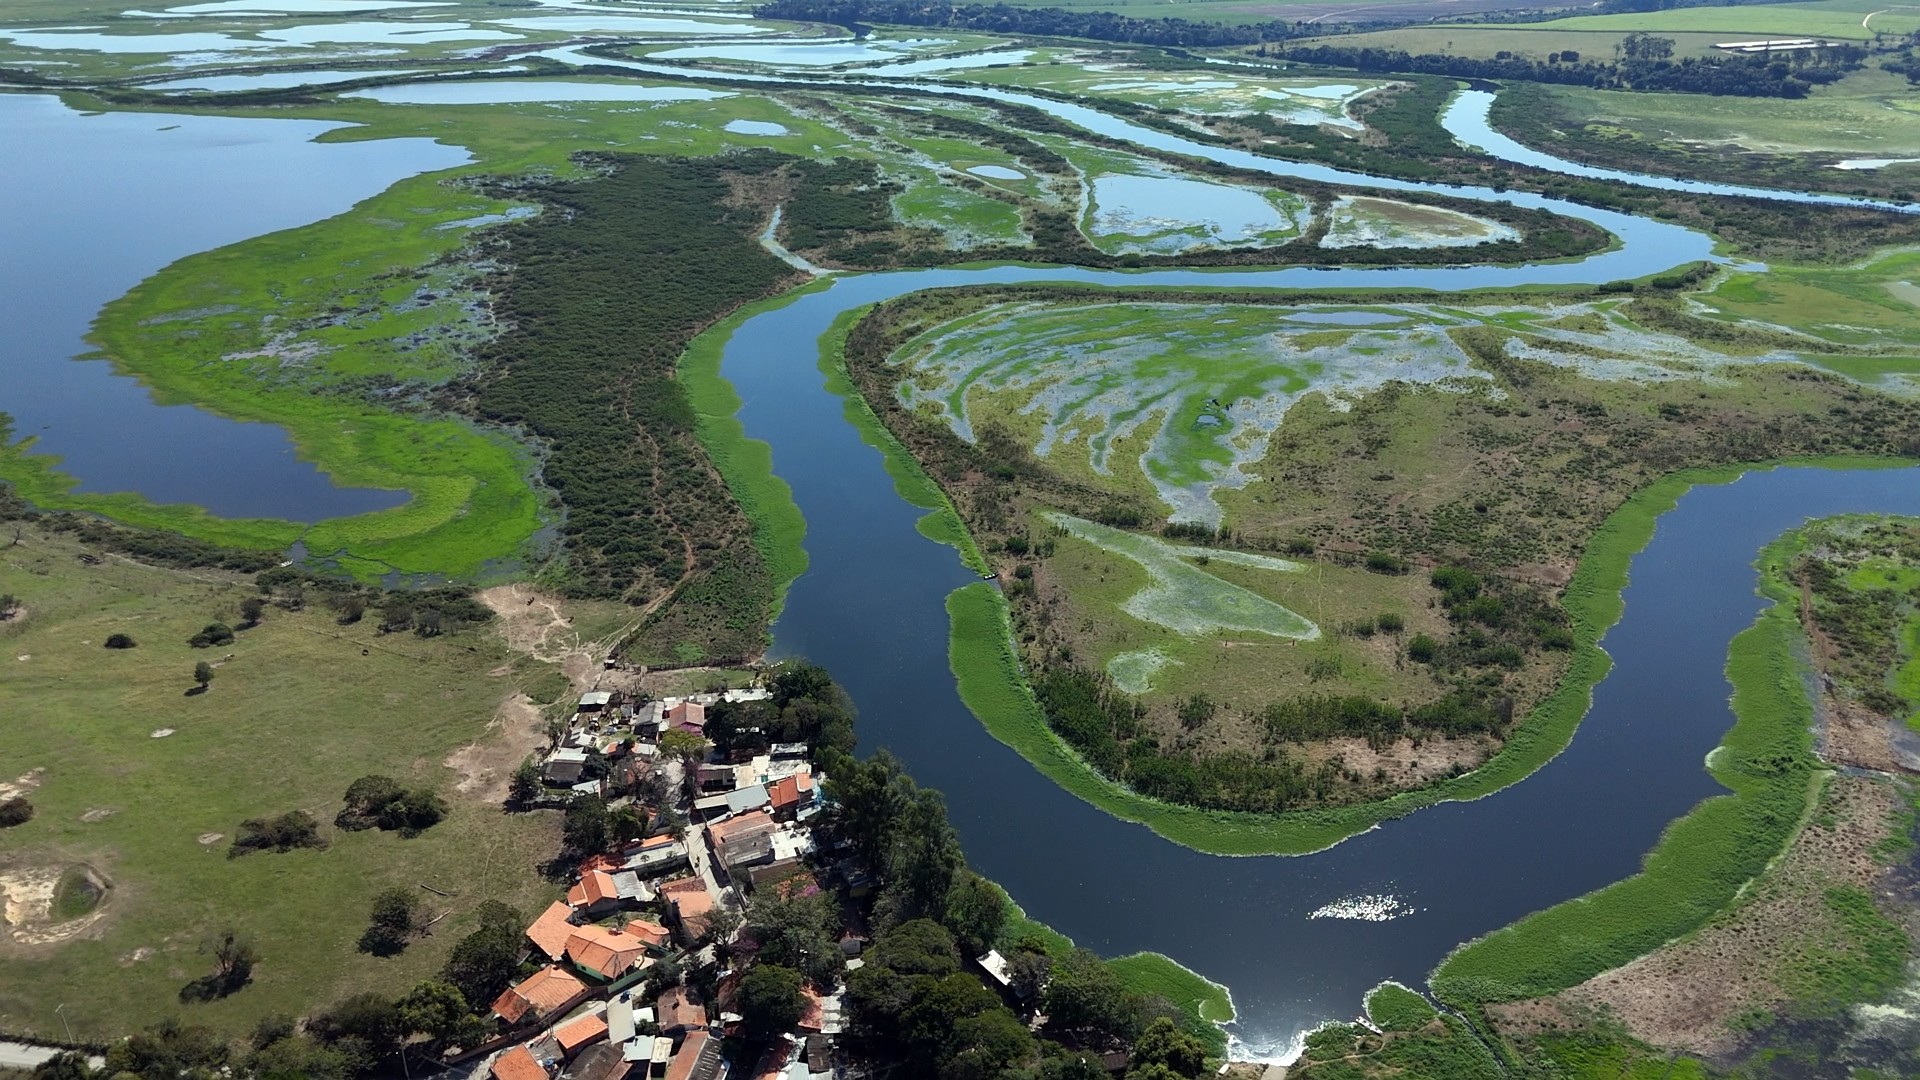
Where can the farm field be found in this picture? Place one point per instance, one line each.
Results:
(1868, 114)
(1848, 19)
(1485, 41)
(147, 786)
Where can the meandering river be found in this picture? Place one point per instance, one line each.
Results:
(871, 606)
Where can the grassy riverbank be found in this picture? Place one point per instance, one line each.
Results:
(1703, 859)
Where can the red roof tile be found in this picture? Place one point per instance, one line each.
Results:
(517, 1064)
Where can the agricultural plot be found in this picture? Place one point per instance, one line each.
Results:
(1851, 19)
(1384, 223)
(1203, 93)
(1180, 403)
(1868, 115)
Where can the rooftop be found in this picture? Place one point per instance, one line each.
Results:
(549, 932)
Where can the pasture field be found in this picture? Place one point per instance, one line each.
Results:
(1213, 92)
(147, 785)
(1825, 141)
(1485, 41)
(1850, 19)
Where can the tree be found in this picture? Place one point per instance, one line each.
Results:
(682, 746)
(628, 823)
(484, 963)
(352, 607)
(799, 933)
(70, 1065)
(120, 641)
(364, 798)
(770, 1001)
(212, 634)
(1165, 1044)
(439, 1011)
(169, 1049)
(250, 611)
(394, 919)
(525, 785)
(15, 811)
(586, 830)
(233, 960)
(203, 675)
(1027, 972)
(976, 912)
(1083, 993)
(366, 1027)
(987, 1045)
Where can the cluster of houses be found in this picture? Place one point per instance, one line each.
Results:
(583, 1015)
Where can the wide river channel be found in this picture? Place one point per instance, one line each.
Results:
(116, 197)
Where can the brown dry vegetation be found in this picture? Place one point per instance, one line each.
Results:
(1689, 995)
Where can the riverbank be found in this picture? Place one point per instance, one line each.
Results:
(1704, 859)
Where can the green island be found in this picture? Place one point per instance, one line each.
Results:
(529, 774)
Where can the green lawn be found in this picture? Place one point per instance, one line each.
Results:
(302, 708)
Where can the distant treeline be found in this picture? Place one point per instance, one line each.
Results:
(1045, 22)
(1785, 76)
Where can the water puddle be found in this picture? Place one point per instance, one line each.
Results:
(630, 24)
(997, 172)
(1199, 214)
(756, 127)
(825, 54)
(270, 80)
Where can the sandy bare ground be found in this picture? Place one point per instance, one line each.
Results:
(533, 623)
(1685, 995)
(22, 784)
(28, 893)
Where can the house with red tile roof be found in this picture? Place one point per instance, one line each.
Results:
(688, 716)
(676, 1010)
(697, 1059)
(690, 904)
(575, 1035)
(595, 892)
(541, 993)
(517, 1064)
(651, 934)
(549, 932)
(607, 953)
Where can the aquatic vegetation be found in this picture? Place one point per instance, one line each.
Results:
(1133, 672)
(1181, 402)
(1186, 599)
(1165, 215)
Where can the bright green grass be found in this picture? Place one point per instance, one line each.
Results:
(1703, 859)
(1874, 305)
(1862, 116)
(965, 217)
(1185, 598)
(779, 529)
(1206, 1003)
(303, 708)
(472, 507)
(1393, 1007)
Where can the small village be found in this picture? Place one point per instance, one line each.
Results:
(723, 829)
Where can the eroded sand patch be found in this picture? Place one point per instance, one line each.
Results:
(29, 894)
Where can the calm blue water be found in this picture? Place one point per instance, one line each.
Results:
(871, 608)
(97, 203)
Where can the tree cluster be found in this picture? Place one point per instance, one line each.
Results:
(380, 802)
(290, 831)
